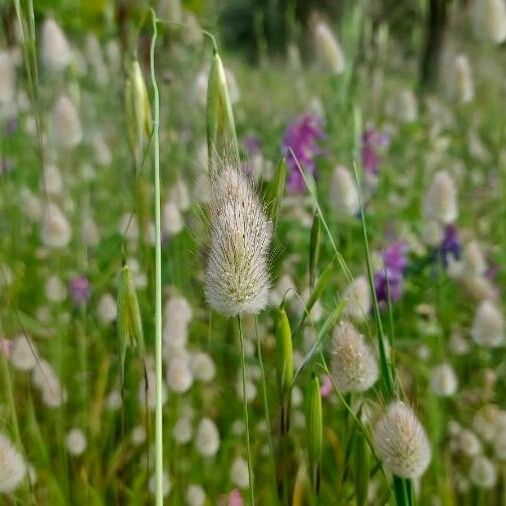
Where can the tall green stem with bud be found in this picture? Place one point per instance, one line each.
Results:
(158, 278)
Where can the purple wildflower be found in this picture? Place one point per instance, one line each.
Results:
(371, 140)
(450, 245)
(252, 145)
(300, 147)
(79, 290)
(389, 282)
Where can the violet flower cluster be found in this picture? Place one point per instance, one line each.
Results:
(372, 139)
(300, 146)
(389, 282)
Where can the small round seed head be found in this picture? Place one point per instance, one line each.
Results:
(468, 443)
(483, 472)
(56, 231)
(354, 366)
(488, 421)
(195, 495)
(179, 372)
(23, 353)
(474, 260)
(488, 325)
(56, 53)
(12, 466)
(203, 367)
(444, 381)
(401, 442)
(166, 484)
(237, 278)
(440, 203)
(490, 19)
(328, 48)
(239, 473)
(182, 431)
(207, 440)
(66, 123)
(107, 309)
(76, 442)
(358, 295)
(463, 79)
(343, 192)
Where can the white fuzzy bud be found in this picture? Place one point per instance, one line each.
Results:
(107, 309)
(179, 373)
(12, 466)
(328, 49)
(444, 381)
(468, 443)
(166, 484)
(55, 231)
(182, 430)
(195, 495)
(343, 192)
(463, 79)
(177, 316)
(488, 325)
(76, 442)
(23, 353)
(440, 202)
(207, 439)
(7, 78)
(237, 277)
(354, 366)
(239, 473)
(172, 219)
(401, 442)
(56, 52)
(490, 20)
(474, 260)
(483, 472)
(55, 289)
(358, 296)
(203, 367)
(52, 182)
(66, 123)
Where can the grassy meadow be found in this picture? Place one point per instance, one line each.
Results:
(229, 279)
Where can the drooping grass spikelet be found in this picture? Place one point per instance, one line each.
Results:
(401, 442)
(237, 278)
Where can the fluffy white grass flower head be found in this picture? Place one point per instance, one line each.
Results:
(354, 366)
(443, 380)
(107, 309)
(328, 48)
(207, 439)
(7, 78)
(66, 123)
(56, 231)
(56, 52)
(488, 325)
(203, 367)
(239, 473)
(12, 466)
(177, 317)
(166, 484)
(55, 289)
(179, 372)
(463, 79)
(76, 442)
(358, 295)
(490, 19)
(401, 442)
(343, 192)
(483, 472)
(23, 354)
(237, 278)
(440, 202)
(195, 495)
